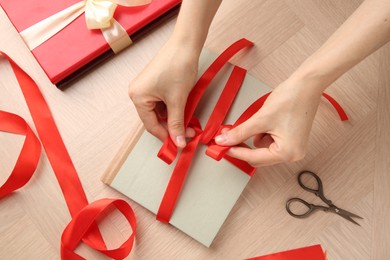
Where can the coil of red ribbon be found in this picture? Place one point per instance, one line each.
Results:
(83, 225)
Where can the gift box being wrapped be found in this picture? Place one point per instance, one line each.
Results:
(211, 187)
(196, 189)
(68, 37)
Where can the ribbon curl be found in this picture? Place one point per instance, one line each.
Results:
(83, 225)
(99, 14)
(29, 155)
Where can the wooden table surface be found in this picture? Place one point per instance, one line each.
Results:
(95, 116)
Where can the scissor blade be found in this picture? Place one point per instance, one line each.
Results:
(350, 219)
(347, 213)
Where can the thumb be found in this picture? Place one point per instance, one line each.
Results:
(238, 134)
(176, 129)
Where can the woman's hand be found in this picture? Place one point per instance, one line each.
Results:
(162, 88)
(280, 129)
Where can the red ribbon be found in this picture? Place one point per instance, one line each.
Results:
(28, 157)
(168, 151)
(306, 253)
(83, 225)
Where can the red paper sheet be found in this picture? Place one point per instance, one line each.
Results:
(305, 253)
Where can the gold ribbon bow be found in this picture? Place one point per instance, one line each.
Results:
(99, 14)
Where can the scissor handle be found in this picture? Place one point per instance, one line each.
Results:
(320, 189)
(310, 208)
(312, 174)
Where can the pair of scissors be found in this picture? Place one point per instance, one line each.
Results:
(319, 192)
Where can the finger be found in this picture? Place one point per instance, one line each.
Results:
(151, 123)
(263, 140)
(190, 132)
(176, 121)
(255, 157)
(240, 133)
(257, 139)
(161, 110)
(224, 130)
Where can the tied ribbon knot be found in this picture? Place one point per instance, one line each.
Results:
(99, 14)
(168, 151)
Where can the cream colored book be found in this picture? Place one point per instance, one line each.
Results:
(211, 188)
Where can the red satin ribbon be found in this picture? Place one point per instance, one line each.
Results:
(168, 151)
(28, 157)
(83, 225)
(306, 253)
(204, 136)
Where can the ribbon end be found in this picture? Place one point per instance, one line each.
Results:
(162, 219)
(168, 151)
(215, 152)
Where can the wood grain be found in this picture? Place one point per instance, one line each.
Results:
(95, 117)
(381, 207)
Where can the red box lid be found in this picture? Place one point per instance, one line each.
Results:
(76, 45)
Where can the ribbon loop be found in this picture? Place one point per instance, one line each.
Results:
(83, 225)
(223, 105)
(216, 151)
(99, 13)
(84, 221)
(29, 155)
(168, 151)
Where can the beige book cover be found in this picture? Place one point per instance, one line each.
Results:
(211, 188)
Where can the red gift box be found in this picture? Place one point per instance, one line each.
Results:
(75, 46)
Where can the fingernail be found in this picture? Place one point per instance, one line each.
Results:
(221, 138)
(224, 130)
(180, 141)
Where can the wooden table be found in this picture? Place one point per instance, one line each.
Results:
(95, 116)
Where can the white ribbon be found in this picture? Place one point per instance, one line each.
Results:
(99, 14)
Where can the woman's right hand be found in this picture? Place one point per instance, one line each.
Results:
(162, 88)
(280, 129)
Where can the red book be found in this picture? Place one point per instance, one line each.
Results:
(75, 47)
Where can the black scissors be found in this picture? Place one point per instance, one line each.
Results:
(319, 192)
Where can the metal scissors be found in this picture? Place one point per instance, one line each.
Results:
(319, 192)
